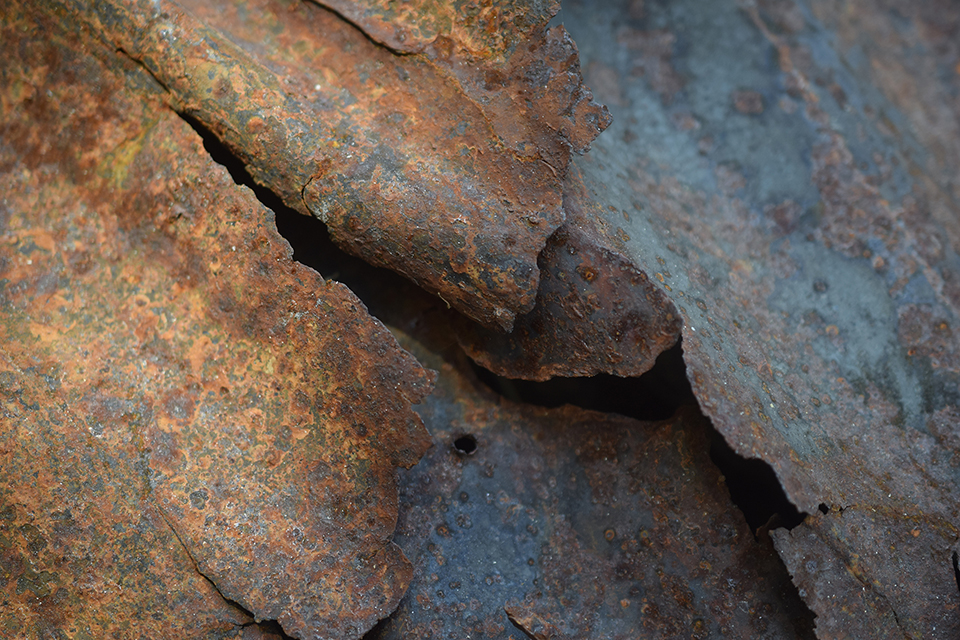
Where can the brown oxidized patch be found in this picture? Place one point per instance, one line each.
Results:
(596, 312)
(401, 161)
(185, 409)
(84, 552)
(525, 77)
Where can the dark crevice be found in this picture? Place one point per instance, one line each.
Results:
(236, 167)
(308, 237)
(956, 568)
(656, 395)
(754, 488)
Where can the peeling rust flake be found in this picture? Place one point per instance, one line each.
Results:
(194, 429)
(449, 174)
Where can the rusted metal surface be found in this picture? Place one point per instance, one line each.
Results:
(83, 553)
(564, 523)
(457, 189)
(186, 410)
(596, 312)
(525, 77)
(789, 169)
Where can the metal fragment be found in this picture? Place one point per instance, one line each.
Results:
(596, 312)
(403, 163)
(186, 411)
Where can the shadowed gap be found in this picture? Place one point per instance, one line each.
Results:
(656, 395)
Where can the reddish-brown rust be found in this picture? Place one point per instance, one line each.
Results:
(83, 551)
(596, 312)
(490, 32)
(410, 170)
(178, 396)
(525, 77)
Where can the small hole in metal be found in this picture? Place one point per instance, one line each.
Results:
(465, 445)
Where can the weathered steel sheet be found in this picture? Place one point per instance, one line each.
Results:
(596, 312)
(789, 170)
(186, 410)
(564, 523)
(456, 190)
(525, 77)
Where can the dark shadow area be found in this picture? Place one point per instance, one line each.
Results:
(754, 488)
(656, 395)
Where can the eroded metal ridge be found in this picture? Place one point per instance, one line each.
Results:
(196, 432)
(446, 166)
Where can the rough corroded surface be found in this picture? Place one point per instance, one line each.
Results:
(179, 397)
(596, 312)
(84, 551)
(525, 77)
(795, 186)
(408, 169)
(574, 524)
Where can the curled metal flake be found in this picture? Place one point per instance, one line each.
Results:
(183, 405)
(409, 169)
(596, 312)
(804, 216)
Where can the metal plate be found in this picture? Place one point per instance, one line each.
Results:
(192, 422)
(409, 169)
(564, 523)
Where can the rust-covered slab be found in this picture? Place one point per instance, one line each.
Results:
(525, 522)
(191, 421)
(789, 170)
(596, 311)
(456, 190)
